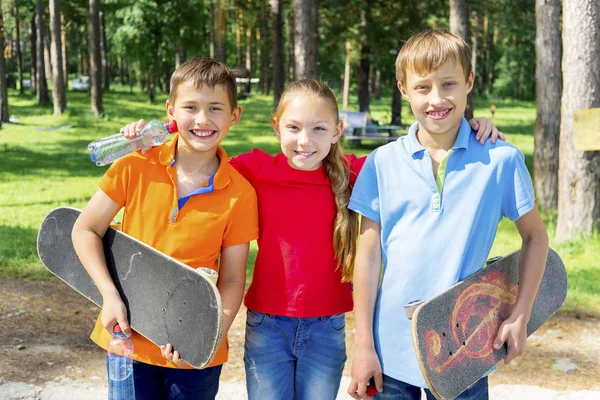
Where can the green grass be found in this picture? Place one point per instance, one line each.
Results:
(42, 168)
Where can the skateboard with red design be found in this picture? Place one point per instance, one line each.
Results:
(453, 333)
(167, 301)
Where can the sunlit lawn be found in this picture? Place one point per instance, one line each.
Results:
(44, 164)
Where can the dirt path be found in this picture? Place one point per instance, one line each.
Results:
(44, 328)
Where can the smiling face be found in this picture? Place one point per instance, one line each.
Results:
(306, 129)
(203, 116)
(438, 98)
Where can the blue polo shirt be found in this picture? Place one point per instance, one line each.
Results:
(432, 238)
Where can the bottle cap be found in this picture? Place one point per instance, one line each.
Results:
(171, 126)
(117, 328)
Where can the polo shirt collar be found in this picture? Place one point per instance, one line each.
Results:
(166, 157)
(462, 139)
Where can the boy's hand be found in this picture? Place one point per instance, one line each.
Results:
(115, 312)
(485, 128)
(365, 366)
(513, 331)
(172, 356)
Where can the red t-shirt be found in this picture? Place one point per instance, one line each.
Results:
(296, 273)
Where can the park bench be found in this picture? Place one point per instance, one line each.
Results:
(357, 127)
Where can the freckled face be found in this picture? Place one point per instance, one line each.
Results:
(307, 129)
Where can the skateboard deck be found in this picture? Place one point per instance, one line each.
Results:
(167, 301)
(453, 333)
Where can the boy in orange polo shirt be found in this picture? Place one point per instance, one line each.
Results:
(185, 200)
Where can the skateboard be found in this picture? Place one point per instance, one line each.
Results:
(167, 301)
(453, 333)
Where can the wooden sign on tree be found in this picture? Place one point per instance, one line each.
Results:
(586, 129)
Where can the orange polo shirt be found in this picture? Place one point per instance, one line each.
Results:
(146, 186)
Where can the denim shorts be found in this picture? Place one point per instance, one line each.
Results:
(397, 390)
(294, 358)
(157, 383)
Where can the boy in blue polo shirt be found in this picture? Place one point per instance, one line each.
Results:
(430, 205)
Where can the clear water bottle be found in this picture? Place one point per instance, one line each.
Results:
(111, 148)
(120, 366)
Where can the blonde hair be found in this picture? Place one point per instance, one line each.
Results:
(345, 225)
(427, 51)
(204, 71)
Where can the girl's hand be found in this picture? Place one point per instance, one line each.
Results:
(133, 129)
(115, 312)
(485, 127)
(172, 356)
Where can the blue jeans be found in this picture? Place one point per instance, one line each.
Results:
(154, 382)
(294, 358)
(397, 390)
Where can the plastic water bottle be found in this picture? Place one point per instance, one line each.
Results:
(120, 366)
(111, 148)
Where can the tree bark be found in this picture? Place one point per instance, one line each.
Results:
(291, 46)
(305, 39)
(579, 172)
(42, 85)
(248, 57)
(33, 41)
(219, 31)
(103, 50)
(19, 50)
(63, 34)
(277, 38)
(3, 88)
(346, 89)
(548, 93)
(95, 59)
(365, 60)
(59, 97)
(459, 25)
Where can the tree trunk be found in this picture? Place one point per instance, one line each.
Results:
(263, 44)
(33, 37)
(548, 93)
(459, 25)
(63, 42)
(248, 57)
(346, 90)
(121, 71)
(179, 57)
(277, 37)
(42, 85)
(3, 69)
(396, 104)
(103, 50)
(475, 49)
(365, 59)
(291, 47)
(19, 50)
(305, 39)
(579, 172)
(239, 32)
(219, 31)
(59, 96)
(47, 58)
(95, 59)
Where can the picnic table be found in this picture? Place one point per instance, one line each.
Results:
(357, 127)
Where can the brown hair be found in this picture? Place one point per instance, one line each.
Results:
(345, 225)
(427, 51)
(204, 71)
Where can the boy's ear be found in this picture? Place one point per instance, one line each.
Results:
(235, 115)
(170, 109)
(402, 90)
(470, 82)
(339, 129)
